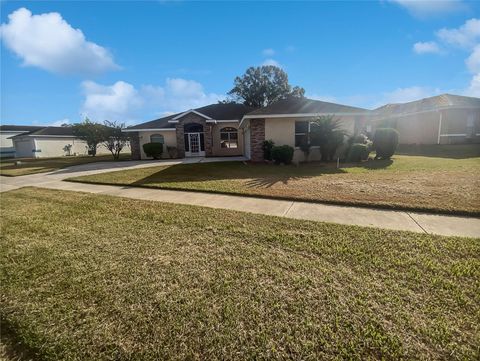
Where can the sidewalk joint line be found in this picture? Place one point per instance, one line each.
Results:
(288, 209)
(418, 224)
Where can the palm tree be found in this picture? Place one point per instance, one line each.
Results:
(326, 131)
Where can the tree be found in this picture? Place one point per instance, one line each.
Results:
(263, 85)
(115, 140)
(326, 132)
(92, 133)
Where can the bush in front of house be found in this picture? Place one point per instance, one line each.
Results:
(282, 154)
(358, 152)
(153, 150)
(267, 149)
(385, 142)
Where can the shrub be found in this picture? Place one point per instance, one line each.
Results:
(282, 154)
(385, 142)
(358, 152)
(154, 150)
(305, 148)
(267, 149)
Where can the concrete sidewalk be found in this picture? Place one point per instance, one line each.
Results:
(396, 220)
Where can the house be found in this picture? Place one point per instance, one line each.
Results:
(46, 142)
(235, 129)
(6, 132)
(208, 131)
(442, 119)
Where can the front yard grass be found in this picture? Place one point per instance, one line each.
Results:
(446, 185)
(42, 165)
(90, 277)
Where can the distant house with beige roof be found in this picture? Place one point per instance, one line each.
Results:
(442, 119)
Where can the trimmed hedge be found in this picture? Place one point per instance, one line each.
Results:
(385, 142)
(358, 152)
(267, 149)
(153, 150)
(282, 154)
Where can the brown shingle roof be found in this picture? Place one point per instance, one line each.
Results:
(229, 111)
(427, 104)
(305, 106)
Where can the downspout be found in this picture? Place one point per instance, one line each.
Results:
(439, 126)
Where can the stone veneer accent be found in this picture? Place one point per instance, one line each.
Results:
(207, 129)
(257, 137)
(135, 145)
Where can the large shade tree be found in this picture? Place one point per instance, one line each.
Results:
(263, 85)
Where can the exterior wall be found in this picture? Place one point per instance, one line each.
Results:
(257, 137)
(423, 128)
(246, 140)
(282, 132)
(217, 150)
(7, 148)
(48, 147)
(169, 137)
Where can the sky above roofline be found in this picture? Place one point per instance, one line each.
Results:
(137, 61)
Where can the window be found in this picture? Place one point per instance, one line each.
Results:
(156, 138)
(193, 128)
(302, 128)
(228, 137)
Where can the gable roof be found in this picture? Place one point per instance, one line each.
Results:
(428, 104)
(229, 111)
(19, 128)
(48, 131)
(303, 106)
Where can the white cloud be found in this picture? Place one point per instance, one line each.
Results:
(60, 122)
(428, 8)
(473, 61)
(268, 52)
(119, 101)
(47, 41)
(426, 47)
(466, 36)
(271, 62)
(403, 95)
(122, 101)
(474, 88)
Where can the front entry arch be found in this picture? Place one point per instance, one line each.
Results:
(194, 140)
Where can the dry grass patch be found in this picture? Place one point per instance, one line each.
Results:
(96, 277)
(406, 182)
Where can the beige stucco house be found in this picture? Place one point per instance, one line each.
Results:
(7, 149)
(47, 142)
(442, 119)
(237, 130)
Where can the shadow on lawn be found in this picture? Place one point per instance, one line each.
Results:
(258, 175)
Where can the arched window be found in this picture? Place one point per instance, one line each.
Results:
(157, 138)
(193, 128)
(228, 137)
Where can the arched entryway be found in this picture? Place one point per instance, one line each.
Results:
(194, 140)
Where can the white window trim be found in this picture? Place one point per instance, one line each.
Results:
(187, 112)
(229, 132)
(453, 135)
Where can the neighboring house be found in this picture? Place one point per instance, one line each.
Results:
(442, 119)
(46, 142)
(235, 129)
(6, 132)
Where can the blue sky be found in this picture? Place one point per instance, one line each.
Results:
(136, 61)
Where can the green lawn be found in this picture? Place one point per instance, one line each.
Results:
(89, 277)
(42, 165)
(406, 182)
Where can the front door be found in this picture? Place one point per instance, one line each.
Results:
(194, 149)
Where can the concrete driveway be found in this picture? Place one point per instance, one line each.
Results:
(396, 220)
